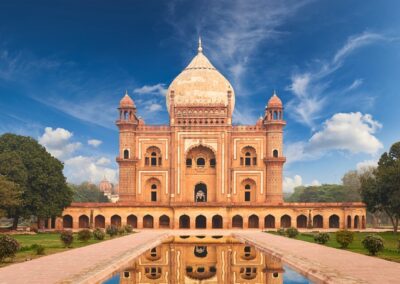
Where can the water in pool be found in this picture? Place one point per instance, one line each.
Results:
(205, 259)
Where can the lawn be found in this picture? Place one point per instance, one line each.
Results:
(390, 241)
(51, 242)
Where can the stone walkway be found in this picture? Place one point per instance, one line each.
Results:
(76, 265)
(324, 264)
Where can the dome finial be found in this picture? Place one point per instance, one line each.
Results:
(126, 92)
(274, 93)
(200, 48)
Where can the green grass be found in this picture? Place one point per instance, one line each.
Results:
(390, 251)
(51, 242)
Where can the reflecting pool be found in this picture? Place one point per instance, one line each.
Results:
(205, 259)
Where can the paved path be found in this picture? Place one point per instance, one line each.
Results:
(76, 265)
(324, 264)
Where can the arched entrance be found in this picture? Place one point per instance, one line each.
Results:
(132, 221)
(334, 221)
(164, 221)
(200, 192)
(253, 221)
(116, 221)
(67, 222)
(201, 222)
(184, 222)
(363, 222)
(99, 221)
(301, 221)
(318, 221)
(83, 222)
(348, 222)
(356, 222)
(237, 221)
(217, 222)
(269, 221)
(286, 221)
(148, 222)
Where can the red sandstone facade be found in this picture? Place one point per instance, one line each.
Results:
(200, 171)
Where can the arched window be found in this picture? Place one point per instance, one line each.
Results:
(189, 163)
(237, 221)
(275, 153)
(286, 221)
(67, 222)
(334, 221)
(99, 221)
(153, 192)
(83, 222)
(153, 157)
(184, 222)
(200, 162)
(200, 192)
(301, 221)
(148, 221)
(247, 192)
(318, 221)
(269, 221)
(253, 221)
(126, 154)
(249, 157)
(212, 163)
(164, 221)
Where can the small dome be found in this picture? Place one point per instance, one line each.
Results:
(105, 185)
(274, 101)
(200, 84)
(126, 101)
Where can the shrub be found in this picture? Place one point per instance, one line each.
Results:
(281, 231)
(292, 232)
(99, 234)
(373, 244)
(128, 229)
(67, 238)
(321, 238)
(39, 249)
(84, 235)
(344, 238)
(112, 231)
(121, 230)
(8, 247)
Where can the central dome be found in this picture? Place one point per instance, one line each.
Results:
(200, 84)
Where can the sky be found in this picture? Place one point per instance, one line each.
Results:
(64, 66)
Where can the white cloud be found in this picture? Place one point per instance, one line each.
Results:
(158, 89)
(352, 132)
(310, 87)
(57, 142)
(103, 161)
(81, 168)
(94, 142)
(152, 107)
(290, 183)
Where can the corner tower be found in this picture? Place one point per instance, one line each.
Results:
(274, 160)
(127, 124)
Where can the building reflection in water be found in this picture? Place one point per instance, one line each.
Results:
(203, 259)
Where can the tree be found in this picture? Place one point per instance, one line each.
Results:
(39, 175)
(10, 196)
(380, 189)
(352, 186)
(87, 192)
(320, 193)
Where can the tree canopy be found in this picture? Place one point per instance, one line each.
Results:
(380, 189)
(87, 192)
(44, 191)
(10, 196)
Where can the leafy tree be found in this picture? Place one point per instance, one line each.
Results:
(352, 186)
(321, 193)
(380, 189)
(10, 195)
(39, 175)
(87, 192)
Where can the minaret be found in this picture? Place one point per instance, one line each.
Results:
(127, 124)
(274, 123)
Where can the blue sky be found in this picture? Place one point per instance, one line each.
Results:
(64, 66)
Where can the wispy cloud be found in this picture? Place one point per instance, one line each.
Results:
(310, 88)
(158, 89)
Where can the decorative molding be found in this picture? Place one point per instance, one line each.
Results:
(153, 139)
(140, 179)
(249, 172)
(246, 139)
